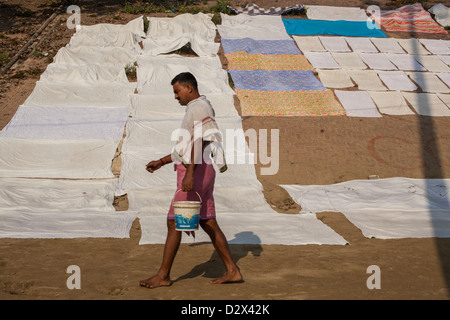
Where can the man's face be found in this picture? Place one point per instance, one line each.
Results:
(182, 93)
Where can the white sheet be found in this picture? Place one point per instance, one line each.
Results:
(428, 82)
(159, 107)
(444, 77)
(377, 61)
(441, 14)
(123, 39)
(95, 55)
(59, 94)
(436, 46)
(361, 44)
(396, 193)
(405, 62)
(136, 26)
(258, 27)
(357, 103)
(92, 73)
(349, 60)
(66, 224)
(387, 45)
(67, 123)
(335, 13)
(335, 78)
(445, 59)
(391, 102)
(367, 80)
(384, 208)
(45, 195)
(154, 74)
(397, 80)
(71, 159)
(427, 104)
(334, 44)
(432, 63)
(309, 43)
(445, 98)
(321, 60)
(412, 46)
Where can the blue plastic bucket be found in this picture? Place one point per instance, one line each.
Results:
(187, 214)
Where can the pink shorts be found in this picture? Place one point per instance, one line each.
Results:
(204, 177)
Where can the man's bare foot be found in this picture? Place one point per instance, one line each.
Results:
(155, 282)
(229, 277)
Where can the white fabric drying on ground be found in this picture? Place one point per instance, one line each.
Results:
(405, 62)
(334, 44)
(154, 74)
(397, 80)
(441, 14)
(367, 80)
(387, 45)
(335, 13)
(412, 46)
(436, 46)
(385, 208)
(361, 44)
(57, 72)
(259, 27)
(349, 60)
(321, 60)
(357, 103)
(428, 82)
(160, 107)
(432, 63)
(71, 159)
(377, 61)
(46, 195)
(309, 43)
(71, 123)
(123, 39)
(96, 55)
(135, 26)
(335, 78)
(59, 94)
(66, 224)
(168, 34)
(445, 98)
(444, 77)
(427, 104)
(391, 102)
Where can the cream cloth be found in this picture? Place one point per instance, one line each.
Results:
(357, 103)
(432, 63)
(387, 45)
(367, 80)
(428, 82)
(427, 104)
(135, 26)
(361, 44)
(335, 78)
(321, 60)
(309, 43)
(377, 61)
(334, 44)
(412, 46)
(405, 62)
(391, 102)
(397, 80)
(349, 60)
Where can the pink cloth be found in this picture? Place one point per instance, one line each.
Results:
(204, 178)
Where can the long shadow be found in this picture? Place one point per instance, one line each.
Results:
(214, 268)
(432, 171)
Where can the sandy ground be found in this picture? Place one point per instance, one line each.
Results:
(321, 150)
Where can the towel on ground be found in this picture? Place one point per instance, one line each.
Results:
(397, 80)
(412, 46)
(335, 78)
(387, 45)
(391, 102)
(335, 44)
(405, 62)
(432, 63)
(428, 82)
(349, 60)
(96, 55)
(427, 104)
(309, 43)
(444, 77)
(361, 44)
(367, 80)
(377, 61)
(436, 46)
(136, 26)
(322, 60)
(441, 14)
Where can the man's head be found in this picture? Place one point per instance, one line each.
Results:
(185, 88)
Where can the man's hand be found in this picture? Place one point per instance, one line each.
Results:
(188, 181)
(153, 165)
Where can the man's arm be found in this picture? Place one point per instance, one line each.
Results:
(156, 164)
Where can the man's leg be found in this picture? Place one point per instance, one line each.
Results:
(220, 243)
(162, 278)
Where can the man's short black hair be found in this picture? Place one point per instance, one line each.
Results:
(185, 78)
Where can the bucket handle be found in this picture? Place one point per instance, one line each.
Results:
(188, 191)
